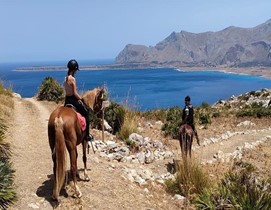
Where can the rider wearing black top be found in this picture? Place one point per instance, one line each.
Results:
(188, 116)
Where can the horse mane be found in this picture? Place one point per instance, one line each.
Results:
(90, 96)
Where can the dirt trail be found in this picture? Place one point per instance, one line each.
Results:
(230, 145)
(108, 188)
(31, 153)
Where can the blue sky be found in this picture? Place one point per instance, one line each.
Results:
(54, 30)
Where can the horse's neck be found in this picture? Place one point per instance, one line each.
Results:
(89, 98)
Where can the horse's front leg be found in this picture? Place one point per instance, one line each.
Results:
(84, 146)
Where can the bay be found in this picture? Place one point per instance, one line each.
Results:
(143, 89)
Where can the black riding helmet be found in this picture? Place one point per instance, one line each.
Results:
(187, 98)
(73, 65)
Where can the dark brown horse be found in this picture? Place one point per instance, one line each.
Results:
(186, 139)
(65, 133)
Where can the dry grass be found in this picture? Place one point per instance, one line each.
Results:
(260, 157)
(129, 126)
(6, 106)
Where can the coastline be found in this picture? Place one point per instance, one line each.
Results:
(260, 72)
(255, 71)
(266, 73)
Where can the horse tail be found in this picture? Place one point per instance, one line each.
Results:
(60, 152)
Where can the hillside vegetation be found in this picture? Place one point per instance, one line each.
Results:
(238, 186)
(7, 193)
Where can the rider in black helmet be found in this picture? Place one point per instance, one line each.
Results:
(188, 116)
(73, 97)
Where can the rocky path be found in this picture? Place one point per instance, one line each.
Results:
(109, 187)
(232, 144)
(31, 154)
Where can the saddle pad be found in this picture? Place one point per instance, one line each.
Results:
(82, 121)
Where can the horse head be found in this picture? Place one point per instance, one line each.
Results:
(94, 98)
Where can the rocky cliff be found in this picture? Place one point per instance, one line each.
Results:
(231, 47)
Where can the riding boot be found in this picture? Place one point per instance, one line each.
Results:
(89, 137)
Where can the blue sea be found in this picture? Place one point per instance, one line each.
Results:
(144, 89)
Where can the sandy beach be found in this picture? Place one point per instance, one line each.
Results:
(251, 71)
(261, 71)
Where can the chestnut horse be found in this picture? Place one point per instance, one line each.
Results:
(186, 139)
(64, 132)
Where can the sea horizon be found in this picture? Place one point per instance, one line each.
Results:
(145, 89)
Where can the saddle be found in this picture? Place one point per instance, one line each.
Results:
(81, 119)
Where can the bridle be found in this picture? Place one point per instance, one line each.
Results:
(98, 101)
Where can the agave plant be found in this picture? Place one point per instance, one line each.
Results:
(7, 193)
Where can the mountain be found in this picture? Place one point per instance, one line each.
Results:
(231, 47)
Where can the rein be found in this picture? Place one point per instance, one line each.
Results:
(86, 107)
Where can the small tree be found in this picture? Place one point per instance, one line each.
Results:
(50, 90)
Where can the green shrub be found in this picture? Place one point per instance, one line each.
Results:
(205, 105)
(50, 90)
(255, 111)
(245, 113)
(115, 115)
(204, 118)
(173, 122)
(157, 114)
(252, 93)
(243, 97)
(216, 114)
(172, 186)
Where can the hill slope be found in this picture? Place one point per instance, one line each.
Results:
(231, 47)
